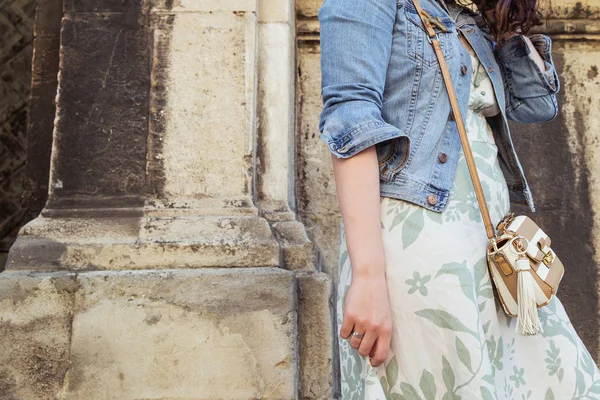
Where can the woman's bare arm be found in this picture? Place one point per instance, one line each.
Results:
(357, 183)
(367, 308)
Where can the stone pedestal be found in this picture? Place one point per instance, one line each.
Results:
(168, 261)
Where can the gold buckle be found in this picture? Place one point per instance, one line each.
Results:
(549, 257)
(437, 21)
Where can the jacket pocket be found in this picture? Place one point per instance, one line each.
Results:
(418, 47)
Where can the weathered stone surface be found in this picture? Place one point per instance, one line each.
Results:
(13, 145)
(47, 18)
(571, 9)
(184, 334)
(16, 79)
(16, 36)
(317, 202)
(298, 251)
(133, 7)
(203, 100)
(307, 8)
(102, 109)
(16, 31)
(42, 107)
(35, 328)
(141, 243)
(205, 5)
(169, 334)
(570, 26)
(41, 121)
(276, 126)
(275, 11)
(315, 337)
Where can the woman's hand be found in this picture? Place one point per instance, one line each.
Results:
(367, 311)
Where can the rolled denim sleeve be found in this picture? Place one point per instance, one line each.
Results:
(530, 92)
(356, 41)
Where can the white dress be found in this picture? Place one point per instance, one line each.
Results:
(450, 338)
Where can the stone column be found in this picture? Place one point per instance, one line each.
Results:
(168, 261)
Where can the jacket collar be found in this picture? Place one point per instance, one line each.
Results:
(465, 16)
(461, 15)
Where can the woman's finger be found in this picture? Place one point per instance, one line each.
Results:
(367, 342)
(380, 349)
(373, 349)
(347, 326)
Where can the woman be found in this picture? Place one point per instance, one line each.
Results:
(416, 311)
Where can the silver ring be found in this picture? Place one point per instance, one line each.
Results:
(357, 335)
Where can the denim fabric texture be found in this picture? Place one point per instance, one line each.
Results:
(381, 85)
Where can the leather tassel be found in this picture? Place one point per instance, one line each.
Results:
(528, 321)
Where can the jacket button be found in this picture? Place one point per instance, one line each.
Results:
(443, 157)
(432, 199)
(463, 70)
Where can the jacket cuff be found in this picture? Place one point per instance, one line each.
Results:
(360, 137)
(543, 45)
(515, 57)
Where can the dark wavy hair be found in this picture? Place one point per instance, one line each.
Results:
(504, 17)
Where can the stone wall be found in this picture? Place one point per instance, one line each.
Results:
(167, 261)
(16, 40)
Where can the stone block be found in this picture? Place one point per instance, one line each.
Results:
(275, 11)
(35, 328)
(298, 251)
(571, 9)
(205, 5)
(131, 7)
(315, 335)
(144, 243)
(308, 8)
(317, 201)
(47, 18)
(203, 105)
(208, 334)
(275, 111)
(102, 108)
(40, 124)
(16, 82)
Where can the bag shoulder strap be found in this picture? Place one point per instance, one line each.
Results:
(433, 39)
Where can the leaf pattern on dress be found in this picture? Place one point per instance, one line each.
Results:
(553, 361)
(427, 385)
(412, 227)
(461, 271)
(444, 319)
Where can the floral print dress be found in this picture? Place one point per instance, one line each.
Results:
(451, 339)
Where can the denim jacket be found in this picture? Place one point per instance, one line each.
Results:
(381, 85)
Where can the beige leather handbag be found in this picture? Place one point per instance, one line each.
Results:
(525, 271)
